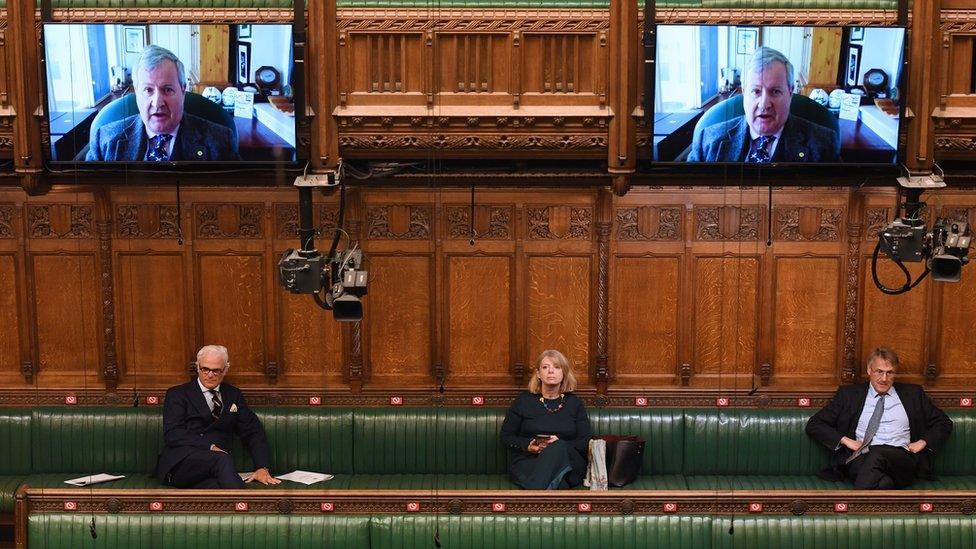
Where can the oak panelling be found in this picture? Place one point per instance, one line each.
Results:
(644, 320)
(479, 311)
(558, 309)
(896, 321)
(9, 322)
(957, 353)
(381, 68)
(726, 319)
(562, 68)
(151, 308)
(807, 319)
(471, 65)
(67, 319)
(311, 343)
(231, 290)
(398, 320)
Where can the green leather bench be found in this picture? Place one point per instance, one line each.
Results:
(58, 530)
(447, 448)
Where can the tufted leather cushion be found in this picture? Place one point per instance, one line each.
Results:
(959, 455)
(55, 531)
(763, 482)
(862, 532)
(514, 532)
(750, 442)
(119, 440)
(663, 429)
(312, 439)
(428, 440)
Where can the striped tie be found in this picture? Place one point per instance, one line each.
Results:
(217, 405)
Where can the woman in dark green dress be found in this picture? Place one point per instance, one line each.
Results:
(546, 430)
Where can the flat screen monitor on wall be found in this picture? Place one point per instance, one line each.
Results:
(176, 93)
(786, 95)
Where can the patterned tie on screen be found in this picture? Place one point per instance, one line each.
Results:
(872, 428)
(157, 148)
(760, 152)
(217, 405)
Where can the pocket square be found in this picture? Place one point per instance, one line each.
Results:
(233, 407)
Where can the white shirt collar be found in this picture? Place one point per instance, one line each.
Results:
(753, 135)
(204, 389)
(169, 144)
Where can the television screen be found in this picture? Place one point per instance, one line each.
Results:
(777, 94)
(170, 92)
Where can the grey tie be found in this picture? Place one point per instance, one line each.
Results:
(218, 405)
(871, 429)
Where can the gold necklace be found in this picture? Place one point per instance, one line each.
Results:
(562, 401)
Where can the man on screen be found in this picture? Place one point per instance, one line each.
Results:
(161, 131)
(766, 132)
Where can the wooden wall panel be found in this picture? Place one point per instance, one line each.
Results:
(399, 320)
(9, 321)
(151, 308)
(896, 321)
(726, 317)
(807, 316)
(558, 310)
(559, 63)
(957, 352)
(67, 326)
(311, 343)
(644, 324)
(232, 290)
(479, 344)
(384, 63)
(473, 63)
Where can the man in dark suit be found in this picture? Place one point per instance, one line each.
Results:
(161, 131)
(766, 132)
(199, 419)
(883, 434)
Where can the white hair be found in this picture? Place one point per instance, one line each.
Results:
(218, 350)
(763, 57)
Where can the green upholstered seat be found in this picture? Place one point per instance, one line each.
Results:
(64, 531)
(194, 104)
(763, 482)
(860, 531)
(525, 532)
(800, 105)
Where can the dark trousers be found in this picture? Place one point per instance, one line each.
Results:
(205, 469)
(559, 465)
(883, 467)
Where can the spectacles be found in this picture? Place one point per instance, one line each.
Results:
(883, 374)
(211, 371)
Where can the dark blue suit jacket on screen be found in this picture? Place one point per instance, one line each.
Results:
(197, 140)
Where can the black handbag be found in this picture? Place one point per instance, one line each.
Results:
(624, 455)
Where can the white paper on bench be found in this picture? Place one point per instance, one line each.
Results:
(305, 477)
(93, 479)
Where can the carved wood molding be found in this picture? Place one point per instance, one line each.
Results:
(559, 223)
(728, 16)
(649, 223)
(957, 20)
(399, 222)
(480, 502)
(490, 222)
(727, 223)
(809, 224)
(461, 397)
(6, 221)
(229, 221)
(324, 219)
(351, 121)
(60, 221)
(474, 143)
(955, 144)
(151, 221)
(876, 219)
(173, 15)
(481, 20)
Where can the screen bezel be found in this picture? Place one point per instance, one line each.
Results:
(297, 44)
(650, 165)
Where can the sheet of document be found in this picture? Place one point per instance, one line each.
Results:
(305, 477)
(93, 479)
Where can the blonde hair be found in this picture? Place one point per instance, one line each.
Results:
(560, 361)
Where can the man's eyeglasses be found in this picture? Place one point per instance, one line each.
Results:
(211, 371)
